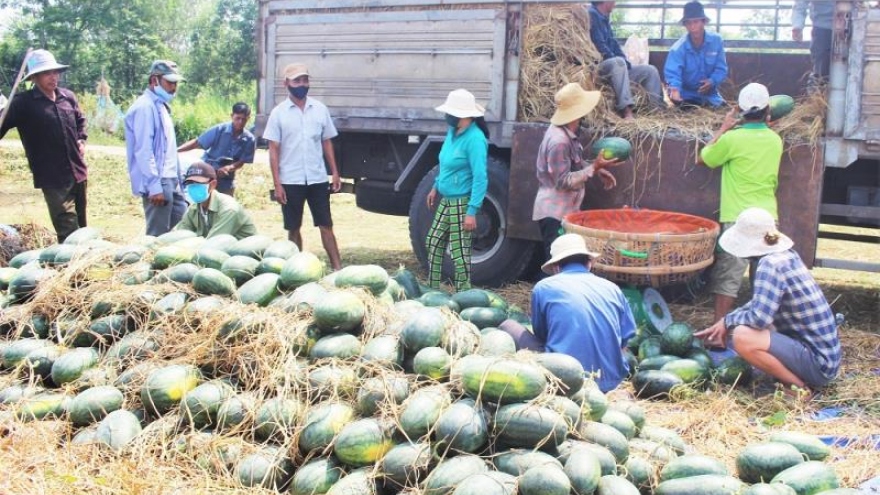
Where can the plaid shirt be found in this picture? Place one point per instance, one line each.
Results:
(562, 172)
(787, 297)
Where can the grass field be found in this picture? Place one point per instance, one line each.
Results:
(718, 423)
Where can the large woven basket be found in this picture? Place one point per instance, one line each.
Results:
(646, 247)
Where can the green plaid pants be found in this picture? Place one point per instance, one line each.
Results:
(448, 227)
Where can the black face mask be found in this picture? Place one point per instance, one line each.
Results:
(298, 92)
(452, 120)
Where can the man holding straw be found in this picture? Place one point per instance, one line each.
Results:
(52, 128)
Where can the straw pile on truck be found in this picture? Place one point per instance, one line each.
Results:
(176, 363)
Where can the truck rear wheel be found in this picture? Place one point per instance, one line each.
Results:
(496, 258)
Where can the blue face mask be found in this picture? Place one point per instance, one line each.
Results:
(298, 92)
(452, 120)
(198, 193)
(162, 94)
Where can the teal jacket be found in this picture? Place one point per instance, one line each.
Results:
(463, 167)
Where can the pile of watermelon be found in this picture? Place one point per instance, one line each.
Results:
(249, 361)
(672, 361)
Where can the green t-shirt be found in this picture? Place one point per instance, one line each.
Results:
(224, 216)
(749, 155)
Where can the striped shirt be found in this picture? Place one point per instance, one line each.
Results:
(787, 297)
(562, 172)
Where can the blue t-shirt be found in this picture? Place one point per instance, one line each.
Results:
(463, 167)
(587, 317)
(218, 142)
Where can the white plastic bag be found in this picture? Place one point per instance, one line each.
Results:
(636, 50)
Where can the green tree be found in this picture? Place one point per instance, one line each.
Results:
(222, 55)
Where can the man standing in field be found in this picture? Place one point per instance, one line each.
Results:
(748, 153)
(228, 146)
(696, 64)
(151, 150)
(299, 131)
(53, 132)
(616, 68)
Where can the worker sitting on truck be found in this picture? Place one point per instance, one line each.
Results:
(561, 168)
(577, 313)
(212, 213)
(787, 329)
(696, 64)
(616, 68)
(748, 153)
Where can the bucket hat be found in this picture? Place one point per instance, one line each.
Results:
(753, 97)
(292, 71)
(572, 103)
(565, 246)
(693, 10)
(42, 61)
(199, 172)
(754, 234)
(462, 104)
(167, 70)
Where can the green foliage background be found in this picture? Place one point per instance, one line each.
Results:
(213, 41)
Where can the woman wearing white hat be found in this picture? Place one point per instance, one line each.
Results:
(461, 185)
(787, 329)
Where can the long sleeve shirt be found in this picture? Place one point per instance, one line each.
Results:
(49, 131)
(147, 144)
(602, 35)
(787, 298)
(821, 14)
(223, 216)
(687, 66)
(562, 173)
(463, 161)
(587, 317)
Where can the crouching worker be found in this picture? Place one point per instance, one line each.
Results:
(212, 212)
(577, 313)
(787, 329)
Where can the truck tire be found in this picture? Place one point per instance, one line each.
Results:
(496, 258)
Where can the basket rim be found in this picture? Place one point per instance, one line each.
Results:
(629, 236)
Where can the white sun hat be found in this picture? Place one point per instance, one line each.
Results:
(565, 246)
(42, 61)
(462, 104)
(754, 234)
(753, 97)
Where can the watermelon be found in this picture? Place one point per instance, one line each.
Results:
(608, 437)
(174, 236)
(761, 462)
(39, 362)
(780, 106)
(336, 345)
(360, 481)
(641, 472)
(134, 346)
(544, 481)
(423, 329)
(777, 489)
(384, 350)
(433, 363)
(733, 371)
(462, 427)
(515, 462)
(528, 426)
(620, 421)
(421, 411)
(607, 462)
(490, 483)
(16, 351)
(371, 277)
(118, 429)
(503, 380)
(269, 467)
(259, 290)
(300, 269)
(240, 268)
(677, 339)
(651, 384)
(664, 436)
(127, 255)
(316, 476)
(333, 380)
(656, 362)
(494, 342)
(808, 478)
(692, 465)
(165, 387)
(584, 471)
(252, 247)
(484, 317)
(472, 298)
(211, 281)
(181, 273)
(200, 406)
(688, 370)
(323, 422)
(612, 148)
(566, 369)
(406, 463)
(704, 484)
(94, 404)
(42, 405)
(136, 273)
(649, 347)
(808, 445)
(23, 285)
(339, 311)
(270, 265)
(616, 485)
(170, 304)
(171, 255)
(282, 249)
(6, 274)
(209, 257)
(460, 338)
(573, 412)
(277, 418)
(436, 298)
(236, 411)
(23, 258)
(451, 471)
(363, 442)
(408, 282)
(72, 364)
(103, 331)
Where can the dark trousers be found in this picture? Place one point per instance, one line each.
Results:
(67, 208)
(551, 228)
(820, 52)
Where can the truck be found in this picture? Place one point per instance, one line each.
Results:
(381, 66)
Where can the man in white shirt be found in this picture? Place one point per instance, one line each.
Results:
(299, 132)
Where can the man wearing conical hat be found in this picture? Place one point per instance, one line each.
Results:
(562, 170)
(52, 128)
